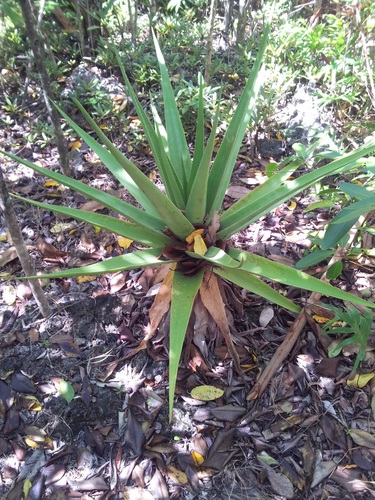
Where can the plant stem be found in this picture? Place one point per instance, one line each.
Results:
(18, 242)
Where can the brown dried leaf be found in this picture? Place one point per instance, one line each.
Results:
(158, 486)
(11, 254)
(117, 281)
(237, 192)
(50, 253)
(362, 438)
(12, 421)
(333, 431)
(228, 413)
(22, 383)
(350, 479)
(280, 483)
(221, 450)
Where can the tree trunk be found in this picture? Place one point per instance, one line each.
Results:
(207, 68)
(18, 242)
(40, 58)
(241, 22)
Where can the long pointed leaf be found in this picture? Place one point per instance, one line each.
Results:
(226, 157)
(197, 201)
(241, 213)
(167, 173)
(178, 148)
(184, 290)
(127, 210)
(199, 134)
(290, 276)
(134, 260)
(255, 285)
(148, 237)
(156, 200)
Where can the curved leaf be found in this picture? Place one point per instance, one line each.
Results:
(148, 237)
(134, 260)
(127, 210)
(290, 276)
(250, 282)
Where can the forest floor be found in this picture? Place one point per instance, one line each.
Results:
(309, 435)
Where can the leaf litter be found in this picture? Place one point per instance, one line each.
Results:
(309, 431)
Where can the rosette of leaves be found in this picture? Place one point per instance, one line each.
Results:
(185, 227)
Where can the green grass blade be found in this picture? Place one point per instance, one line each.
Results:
(148, 194)
(255, 285)
(147, 237)
(226, 157)
(178, 148)
(157, 144)
(290, 276)
(241, 214)
(197, 201)
(119, 206)
(134, 260)
(184, 290)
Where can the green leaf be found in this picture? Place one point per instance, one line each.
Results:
(156, 140)
(66, 390)
(314, 258)
(269, 196)
(134, 260)
(199, 134)
(119, 206)
(250, 282)
(334, 270)
(196, 204)
(227, 155)
(290, 276)
(178, 148)
(355, 191)
(184, 291)
(147, 193)
(148, 237)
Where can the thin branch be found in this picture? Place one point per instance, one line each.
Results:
(18, 242)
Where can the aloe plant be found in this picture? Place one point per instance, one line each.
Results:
(185, 227)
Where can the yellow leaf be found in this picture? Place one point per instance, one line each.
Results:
(9, 295)
(49, 184)
(206, 393)
(320, 319)
(75, 145)
(199, 245)
(234, 76)
(292, 205)
(130, 148)
(190, 239)
(124, 242)
(360, 380)
(97, 229)
(177, 476)
(60, 227)
(27, 487)
(279, 136)
(197, 457)
(103, 126)
(152, 175)
(83, 279)
(196, 242)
